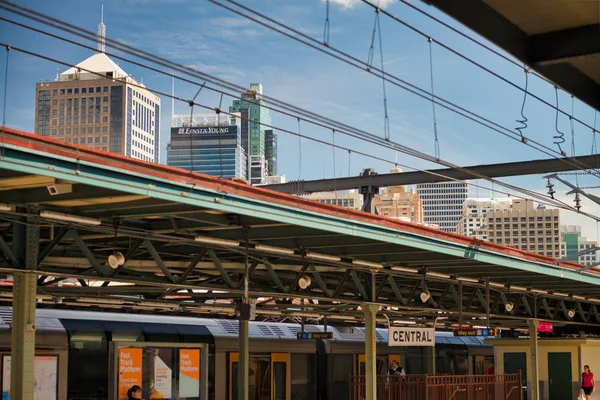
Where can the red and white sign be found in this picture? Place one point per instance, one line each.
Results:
(545, 327)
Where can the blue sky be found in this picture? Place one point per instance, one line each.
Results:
(213, 40)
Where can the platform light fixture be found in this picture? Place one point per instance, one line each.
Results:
(274, 249)
(217, 241)
(368, 264)
(406, 269)
(322, 257)
(497, 285)
(469, 280)
(6, 207)
(438, 275)
(539, 291)
(70, 218)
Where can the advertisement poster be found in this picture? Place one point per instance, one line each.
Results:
(45, 377)
(130, 370)
(189, 373)
(161, 383)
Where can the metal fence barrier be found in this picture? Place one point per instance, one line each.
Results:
(440, 387)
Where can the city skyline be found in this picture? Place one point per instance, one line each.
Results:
(356, 105)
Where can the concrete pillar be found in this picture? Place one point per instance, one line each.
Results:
(370, 311)
(244, 361)
(23, 335)
(25, 248)
(534, 374)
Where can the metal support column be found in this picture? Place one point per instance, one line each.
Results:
(243, 364)
(370, 311)
(25, 247)
(244, 317)
(534, 374)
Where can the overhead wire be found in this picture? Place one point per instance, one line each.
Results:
(533, 194)
(466, 58)
(436, 143)
(403, 150)
(560, 137)
(523, 121)
(50, 21)
(405, 85)
(541, 199)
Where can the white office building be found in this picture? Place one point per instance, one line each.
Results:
(443, 202)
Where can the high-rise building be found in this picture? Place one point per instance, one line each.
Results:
(207, 143)
(271, 151)
(474, 216)
(442, 203)
(400, 203)
(571, 243)
(343, 198)
(256, 119)
(536, 230)
(97, 104)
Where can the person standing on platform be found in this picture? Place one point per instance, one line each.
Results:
(588, 386)
(134, 393)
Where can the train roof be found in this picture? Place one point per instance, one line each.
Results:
(218, 328)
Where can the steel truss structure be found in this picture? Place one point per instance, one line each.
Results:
(184, 239)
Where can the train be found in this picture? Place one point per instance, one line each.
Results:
(78, 350)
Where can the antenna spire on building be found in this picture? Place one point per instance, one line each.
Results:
(102, 33)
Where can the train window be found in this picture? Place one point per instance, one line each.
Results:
(88, 341)
(127, 337)
(303, 376)
(280, 380)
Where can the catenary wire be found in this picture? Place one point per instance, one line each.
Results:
(153, 58)
(470, 60)
(406, 152)
(541, 199)
(381, 74)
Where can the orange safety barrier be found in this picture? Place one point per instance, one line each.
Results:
(440, 387)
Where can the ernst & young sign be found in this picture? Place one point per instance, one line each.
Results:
(203, 130)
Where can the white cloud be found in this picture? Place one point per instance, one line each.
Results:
(346, 4)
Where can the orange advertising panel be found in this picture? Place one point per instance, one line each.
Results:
(189, 372)
(130, 370)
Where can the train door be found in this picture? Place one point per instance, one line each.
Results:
(382, 364)
(280, 367)
(268, 376)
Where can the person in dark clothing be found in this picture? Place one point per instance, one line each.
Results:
(395, 369)
(134, 393)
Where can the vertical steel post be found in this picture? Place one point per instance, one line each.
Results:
(204, 372)
(25, 247)
(244, 354)
(370, 311)
(533, 342)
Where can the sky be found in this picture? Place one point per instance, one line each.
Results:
(210, 39)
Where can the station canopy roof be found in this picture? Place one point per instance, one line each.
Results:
(183, 237)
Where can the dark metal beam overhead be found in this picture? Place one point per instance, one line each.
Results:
(559, 46)
(480, 17)
(546, 166)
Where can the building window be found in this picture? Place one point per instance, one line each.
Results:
(105, 89)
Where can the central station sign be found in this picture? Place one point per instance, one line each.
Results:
(411, 337)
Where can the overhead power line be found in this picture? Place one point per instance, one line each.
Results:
(343, 128)
(403, 84)
(534, 195)
(394, 146)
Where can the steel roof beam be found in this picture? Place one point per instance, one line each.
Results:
(489, 23)
(520, 168)
(560, 46)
